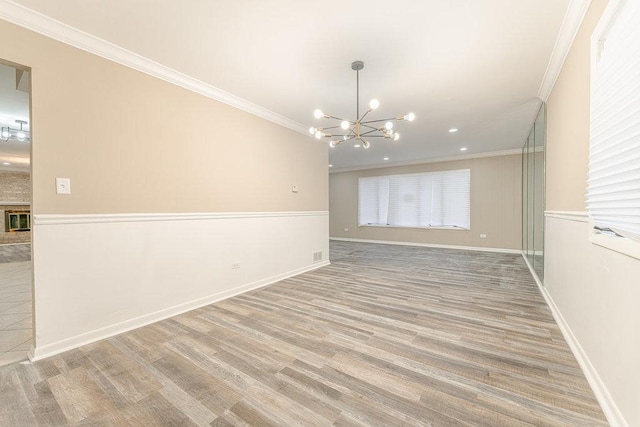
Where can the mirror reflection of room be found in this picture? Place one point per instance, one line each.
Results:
(15, 215)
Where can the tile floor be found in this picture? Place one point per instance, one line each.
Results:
(15, 252)
(15, 303)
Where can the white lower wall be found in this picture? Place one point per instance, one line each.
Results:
(99, 275)
(596, 292)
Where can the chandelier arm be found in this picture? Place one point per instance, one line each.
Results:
(337, 118)
(370, 127)
(364, 115)
(381, 120)
(372, 134)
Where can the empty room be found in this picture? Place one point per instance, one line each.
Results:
(356, 213)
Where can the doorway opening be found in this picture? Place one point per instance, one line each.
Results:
(16, 289)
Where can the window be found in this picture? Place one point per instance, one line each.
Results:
(613, 190)
(434, 199)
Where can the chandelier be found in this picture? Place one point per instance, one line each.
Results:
(358, 129)
(9, 134)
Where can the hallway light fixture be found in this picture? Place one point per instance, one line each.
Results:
(359, 129)
(8, 134)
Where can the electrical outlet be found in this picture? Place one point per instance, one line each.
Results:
(483, 236)
(346, 229)
(294, 188)
(235, 265)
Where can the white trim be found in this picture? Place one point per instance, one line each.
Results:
(618, 244)
(429, 245)
(540, 253)
(49, 27)
(579, 216)
(509, 152)
(573, 18)
(67, 344)
(56, 219)
(622, 245)
(608, 405)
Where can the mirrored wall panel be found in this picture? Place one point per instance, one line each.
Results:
(533, 172)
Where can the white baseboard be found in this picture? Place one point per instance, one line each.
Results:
(73, 342)
(429, 245)
(610, 409)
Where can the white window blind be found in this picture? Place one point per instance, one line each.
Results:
(433, 199)
(613, 191)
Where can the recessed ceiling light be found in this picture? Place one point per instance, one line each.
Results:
(6, 163)
(463, 149)
(330, 166)
(386, 158)
(452, 130)
(356, 146)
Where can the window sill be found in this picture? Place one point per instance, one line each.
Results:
(618, 244)
(414, 227)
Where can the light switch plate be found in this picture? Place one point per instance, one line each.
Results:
(63, 186)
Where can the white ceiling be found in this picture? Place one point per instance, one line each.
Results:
(475, 65)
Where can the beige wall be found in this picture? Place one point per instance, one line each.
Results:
(496, 208)
(134, 143)
(568, 121)
(595, 289)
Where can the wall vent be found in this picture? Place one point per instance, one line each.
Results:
(317, 256)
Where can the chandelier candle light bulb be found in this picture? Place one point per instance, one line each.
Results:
(359, 129)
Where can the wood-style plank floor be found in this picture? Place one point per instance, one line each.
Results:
(385, 336)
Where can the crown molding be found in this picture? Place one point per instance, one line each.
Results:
(433, 160)
(576, 11)
(49, 27)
